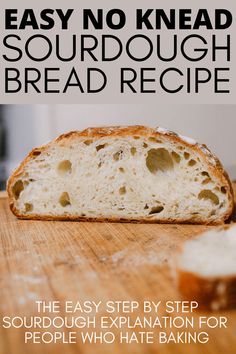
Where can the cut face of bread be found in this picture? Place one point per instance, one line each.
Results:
(206, 269)
(124, 174)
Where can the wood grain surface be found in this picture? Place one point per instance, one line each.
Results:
(92, 261)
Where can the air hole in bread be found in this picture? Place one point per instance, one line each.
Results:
(122, 190)
(156, 210)
(192, 162)
(176, 156)
(88, 142)
(64, 199)
(205, 173)
(155, 140)
(121, 169)
(206, 181)
(117, 155)
(136, 137)
(180, 147)
(223, 190)
(45, 165)
(207, 194)
(145, 145)
(186, 155)
(146, 206)
(159, 160)
(133, 151)
(28, 207)
(99, 165)
(17, 188)
(36, 153)
(64, 167)
(100, 147)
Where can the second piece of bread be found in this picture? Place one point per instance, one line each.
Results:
(206, 269)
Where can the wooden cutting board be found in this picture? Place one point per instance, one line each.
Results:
(80, 261)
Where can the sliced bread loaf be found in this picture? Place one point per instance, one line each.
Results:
(206, 269)
(122, 174)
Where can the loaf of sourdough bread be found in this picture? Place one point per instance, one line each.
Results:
(131, 173)
(206, 269)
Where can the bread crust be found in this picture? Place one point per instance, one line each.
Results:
(211, 293)
(211, 160)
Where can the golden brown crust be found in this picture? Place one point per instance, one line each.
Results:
(135, 131)
(109, 219)
(211, 293)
